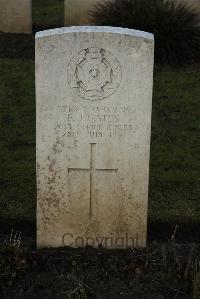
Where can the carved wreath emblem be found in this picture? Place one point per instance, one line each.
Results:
(94, 74)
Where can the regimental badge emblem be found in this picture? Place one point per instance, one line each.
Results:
(94, 74)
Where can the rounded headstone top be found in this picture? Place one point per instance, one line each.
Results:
(95, 29)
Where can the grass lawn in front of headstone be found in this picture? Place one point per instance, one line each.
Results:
(17, 148)
(175, 159)
(174, 166)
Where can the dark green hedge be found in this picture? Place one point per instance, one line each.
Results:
(176, 27)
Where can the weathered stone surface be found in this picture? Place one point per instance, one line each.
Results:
(77, 12)
(94, 98)
(16, 16)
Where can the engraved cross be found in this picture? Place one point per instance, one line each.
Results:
(92, 171)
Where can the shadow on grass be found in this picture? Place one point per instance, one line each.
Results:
(157, 231)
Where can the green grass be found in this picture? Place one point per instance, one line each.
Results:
(175, 147)
(17, 146)
(175, 159)
(48, 13)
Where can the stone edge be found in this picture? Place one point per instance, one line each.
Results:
(91, 29)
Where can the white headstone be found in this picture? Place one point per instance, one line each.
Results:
(16, 16)
(94, 98)
(77, 12)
